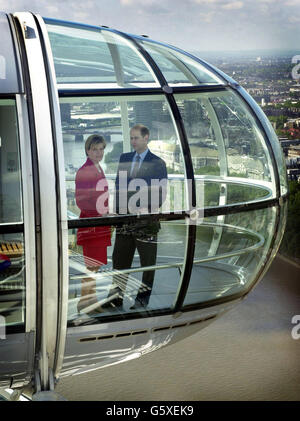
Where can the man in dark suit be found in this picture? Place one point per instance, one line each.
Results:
(140, 188)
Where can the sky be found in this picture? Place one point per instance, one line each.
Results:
(193, 25)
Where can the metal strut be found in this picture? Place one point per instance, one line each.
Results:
(45, 395)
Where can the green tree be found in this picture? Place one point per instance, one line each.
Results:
(279, 120)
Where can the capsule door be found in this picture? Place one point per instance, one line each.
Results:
(17, 221)
(46, 214)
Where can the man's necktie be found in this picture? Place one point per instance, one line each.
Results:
(136, 166)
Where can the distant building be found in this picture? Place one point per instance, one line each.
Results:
(294, 152)
(295, 89)
(294, 174)
(244, 165)
(292, 123)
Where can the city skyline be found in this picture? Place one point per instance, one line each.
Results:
(203, 25)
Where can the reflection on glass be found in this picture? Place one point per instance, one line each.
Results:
(93, 55)
(226, 144)
(169, 244)
(280, 160)
(229, 253)
(178, 68)
(232, 193)
(281, 227)
(275, 144)
(12, 280)
(10, 173)
(219, 124)
(9, 76)
(245, 143)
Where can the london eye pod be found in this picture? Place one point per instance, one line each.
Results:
(220, 223)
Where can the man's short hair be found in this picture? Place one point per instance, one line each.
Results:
(143, 129)
(94, 139)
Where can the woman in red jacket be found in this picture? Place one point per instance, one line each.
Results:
(92, 199)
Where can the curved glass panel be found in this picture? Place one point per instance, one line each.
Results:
(247, 155)
(228, 149)
(281, 228)
(93, 55)
(229, 253)
(223, 192)
(279, 157)
(138, 262)
(178, 68)
(142, 272)
(280, 161)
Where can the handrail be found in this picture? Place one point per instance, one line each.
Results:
(249, 182)
(212, 178)
(258, 245)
